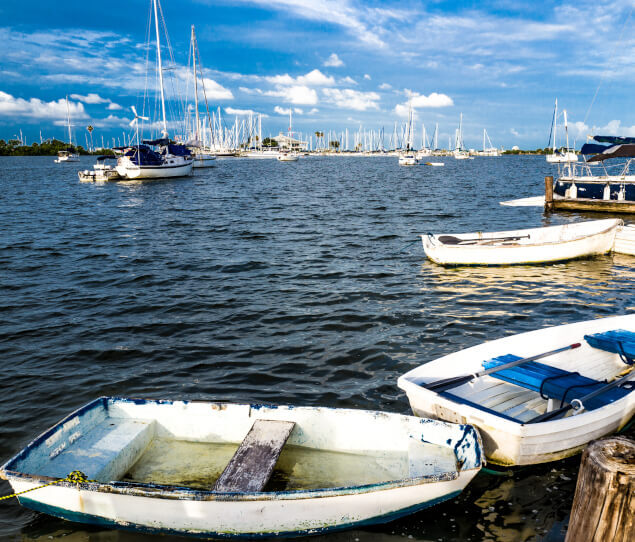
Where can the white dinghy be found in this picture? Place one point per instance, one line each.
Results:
(537, 245)
(223, 470)
(530, 411)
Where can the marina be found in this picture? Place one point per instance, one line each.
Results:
(211, 331)
(271, 267)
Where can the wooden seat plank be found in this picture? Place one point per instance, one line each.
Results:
(251, 466)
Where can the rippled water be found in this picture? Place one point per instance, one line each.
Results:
(276, 282)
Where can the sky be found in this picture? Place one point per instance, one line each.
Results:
(338, 64)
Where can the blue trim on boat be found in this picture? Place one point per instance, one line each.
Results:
(461, 400)
(90, 519)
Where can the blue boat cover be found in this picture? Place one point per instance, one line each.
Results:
(554, 383)
(593, 148)
(143, 156)
(618, 341)
(614, 140)
(178, 150)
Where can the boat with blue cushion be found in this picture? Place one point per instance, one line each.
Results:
(538, 396)
(238, 470)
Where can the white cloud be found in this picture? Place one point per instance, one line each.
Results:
(351, 99)
(112, 106)
(90, 98)
(385, 86)
(38, 109)
(297, 94)
(347, 81)
(251, 91)
(314, 78)
(333, 61)
(367, 77)
(417, 100)
(313, 111)
(233, 111)
(283, 111)
(216, 91)
(612, 128)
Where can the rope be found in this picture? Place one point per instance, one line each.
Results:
(409, 245)
(76, 477)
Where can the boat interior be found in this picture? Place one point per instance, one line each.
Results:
(551, 234)
(246, 448)
(527, 391)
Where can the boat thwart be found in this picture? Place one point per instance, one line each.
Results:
(179, 467)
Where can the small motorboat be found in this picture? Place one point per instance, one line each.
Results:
(64, 157)
(537, 245)
(238, 470)
(288, 157)
(435, 164)
(530, 411)
(100, 172)
(408, 159)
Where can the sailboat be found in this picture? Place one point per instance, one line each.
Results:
(258, 152)
(289, 155)
(202, 157)
(68, 155)
(491, 150)
(408, 157)
(459, 152)
(563, 155)
(140, 161)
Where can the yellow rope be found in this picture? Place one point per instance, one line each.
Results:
(75, 477)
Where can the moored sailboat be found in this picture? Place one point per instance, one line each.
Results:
(171, 160)
(69, 154)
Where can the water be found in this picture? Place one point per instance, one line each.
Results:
(199, 464)
(276, 282)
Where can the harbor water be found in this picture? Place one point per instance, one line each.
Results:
(267, 282)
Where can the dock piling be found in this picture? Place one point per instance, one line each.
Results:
(604, 503)
(548, 193)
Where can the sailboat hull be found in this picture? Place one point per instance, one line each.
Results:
(155, 172)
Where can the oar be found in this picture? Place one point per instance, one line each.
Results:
(451, 240)
(455, 381)
(577, 404)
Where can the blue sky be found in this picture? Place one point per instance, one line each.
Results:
(338, 63)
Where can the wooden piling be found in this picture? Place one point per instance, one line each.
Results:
(548, 193)
(604, 503)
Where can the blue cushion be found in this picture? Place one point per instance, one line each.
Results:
(618, 341)
(554, 383)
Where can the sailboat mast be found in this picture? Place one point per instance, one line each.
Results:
(68, 121)
(555, 122)
(195, 83)
(156, 27)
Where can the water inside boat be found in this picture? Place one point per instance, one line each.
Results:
(199, 464)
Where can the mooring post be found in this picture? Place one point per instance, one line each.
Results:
(548, 193)
(604, 503)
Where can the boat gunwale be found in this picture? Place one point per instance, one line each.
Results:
(617, 223)
(185, 493)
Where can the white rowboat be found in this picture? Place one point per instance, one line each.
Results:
(503, 411)
(157, 467)
(537, 245)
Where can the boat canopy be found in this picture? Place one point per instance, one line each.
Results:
(143, 155)
(593, 148)
(615, 140)
(161, 141)
(616, 151)
(178, 150)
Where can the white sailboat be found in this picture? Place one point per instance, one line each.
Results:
(141, 162)
(491, 150)
(289, 155)
(408, 157)
(459, 152)
(68, 155)
(202, 157)
(564, 155)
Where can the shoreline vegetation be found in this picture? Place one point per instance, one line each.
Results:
(13, 147)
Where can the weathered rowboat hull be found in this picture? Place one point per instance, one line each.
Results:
(543, 245)
(508, 441)
(153, 508)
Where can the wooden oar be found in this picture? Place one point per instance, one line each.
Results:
(578, 404)
(455, 381)
(451, 240)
